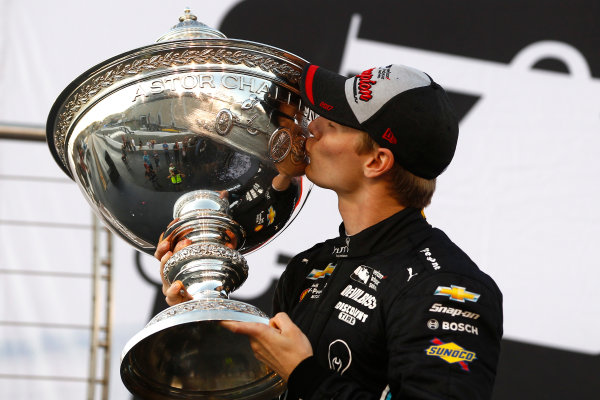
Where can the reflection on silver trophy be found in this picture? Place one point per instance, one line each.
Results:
(195, 127)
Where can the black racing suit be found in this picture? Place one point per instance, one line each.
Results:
(396, 310)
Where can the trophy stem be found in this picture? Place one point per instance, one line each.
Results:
(198, 292)
(199, 359)
(211, 266)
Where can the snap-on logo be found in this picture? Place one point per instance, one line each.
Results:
(326, 106)
(389, 136)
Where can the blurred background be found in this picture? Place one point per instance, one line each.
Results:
(520, 196)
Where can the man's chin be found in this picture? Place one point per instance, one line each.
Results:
(312, 176)
(308, 172)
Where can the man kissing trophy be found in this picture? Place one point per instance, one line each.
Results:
(225, 117)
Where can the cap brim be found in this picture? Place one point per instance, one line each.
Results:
(323, 91)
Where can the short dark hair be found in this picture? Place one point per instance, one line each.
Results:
(407, 188)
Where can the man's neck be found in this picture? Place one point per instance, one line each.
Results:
(365, 209)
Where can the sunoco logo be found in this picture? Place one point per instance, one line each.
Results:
(451, 353)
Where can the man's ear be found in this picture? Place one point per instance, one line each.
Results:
(380, 161)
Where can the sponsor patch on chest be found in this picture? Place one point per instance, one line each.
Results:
(367, 276)
(319, 274)
(350, 314)
(360, 296)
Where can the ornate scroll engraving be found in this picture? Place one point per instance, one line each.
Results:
(205, 250)
(131, 68)
(216, 304)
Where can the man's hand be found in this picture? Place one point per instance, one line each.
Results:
(176, 292)
(281, 344)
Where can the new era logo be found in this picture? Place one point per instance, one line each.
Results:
(326, 106)
(389, 136)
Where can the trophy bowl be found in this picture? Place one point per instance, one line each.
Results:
(195, 129)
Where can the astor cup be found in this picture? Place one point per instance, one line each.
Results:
(196, 128)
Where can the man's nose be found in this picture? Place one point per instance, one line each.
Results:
(313, 128)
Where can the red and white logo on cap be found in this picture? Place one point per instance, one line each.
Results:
(369, 91)
(365, 81)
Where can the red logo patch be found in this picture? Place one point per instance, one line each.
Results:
(389, 136)
(364, 84)
(326, 106)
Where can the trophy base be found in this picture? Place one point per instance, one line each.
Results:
(183, 353)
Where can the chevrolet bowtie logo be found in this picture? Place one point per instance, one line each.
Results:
(317, 274)
(456, 293)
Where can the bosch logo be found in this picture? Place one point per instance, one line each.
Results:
(460, 327)
(433, 324)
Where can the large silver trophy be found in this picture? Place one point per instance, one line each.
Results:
(195, 127)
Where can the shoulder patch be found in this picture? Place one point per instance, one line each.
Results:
(451, 353)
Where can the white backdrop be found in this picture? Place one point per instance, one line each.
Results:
(519, 196)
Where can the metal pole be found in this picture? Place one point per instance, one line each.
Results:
(91, 389)
(22, 132)
(108, 314)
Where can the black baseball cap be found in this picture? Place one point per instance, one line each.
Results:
(401, 108)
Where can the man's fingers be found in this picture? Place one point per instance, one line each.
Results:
(280, 344)
(281, 321)
(175, 289)
(181, 244)
(273, 324)
(176, 294)
(278, 323)
(162, 247)
(245, 328)
(163, 261)
(164, 243)
(186, 231)
(232, 243)
(233, 326)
